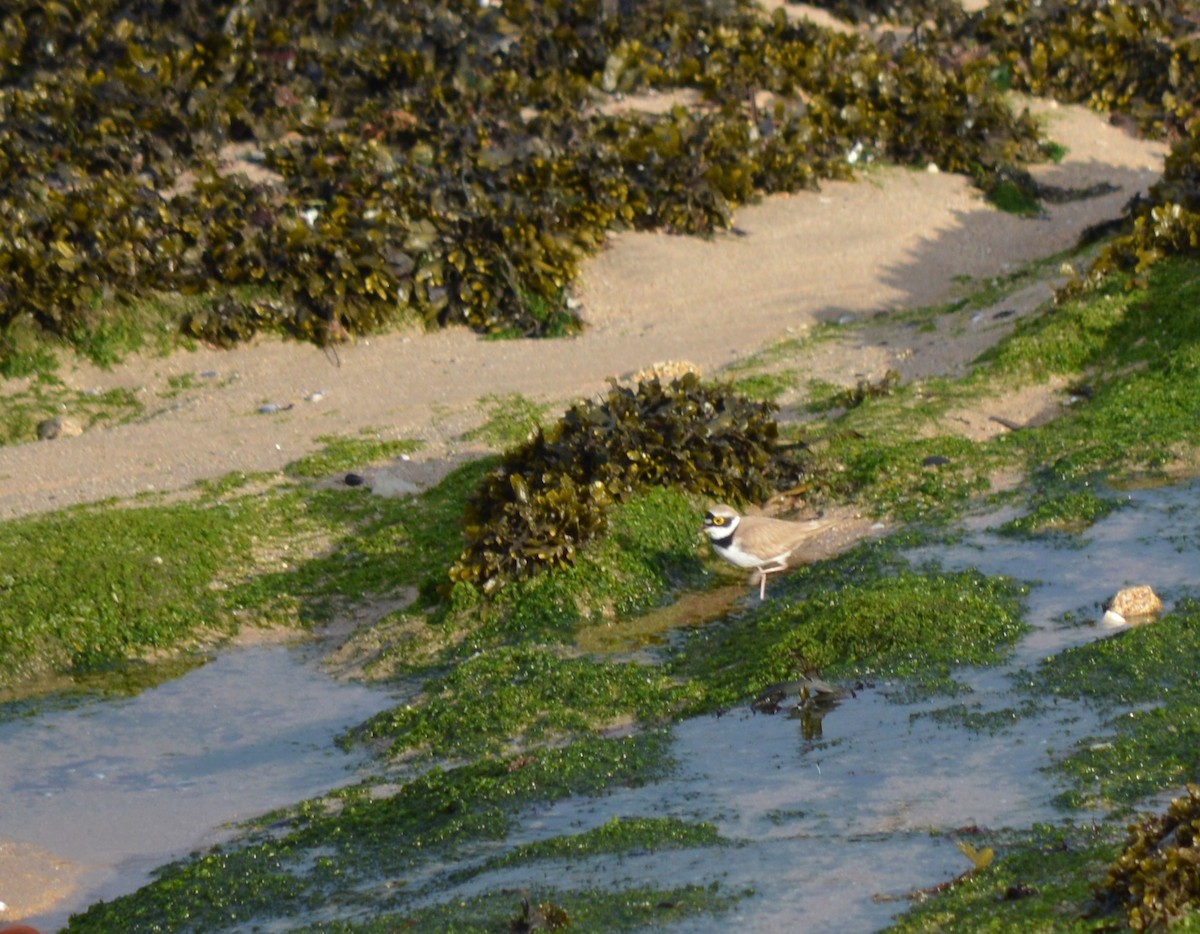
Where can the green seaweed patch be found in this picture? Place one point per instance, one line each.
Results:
(1079, 334)
(1142, 678)
(511, 419)
(370, 545)
(893, 474)
(521, 698)
(46, 398)
(649, 552)
(974, 717)
(616, 836)
(765, 387)
(540, 909)
(85, 589)
(363, 836)
(1060, 513)
(856, 617)
(1139, 349)
(1042, 880)
(340, 453)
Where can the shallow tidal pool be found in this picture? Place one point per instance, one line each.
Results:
(115, 787)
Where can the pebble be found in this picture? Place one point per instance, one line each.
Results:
(61, 426)
(1139, 601)
(271, 408)
(353, 479)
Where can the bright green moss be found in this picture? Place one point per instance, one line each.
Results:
(1142, 679)
(590, 910)
(1040, 882)
(511, 419)
(521, 698)
(339, 454)
(1073, 511)
(367, 838)
(851, 618)
(86, 588)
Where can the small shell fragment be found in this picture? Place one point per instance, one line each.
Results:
(1112, 619)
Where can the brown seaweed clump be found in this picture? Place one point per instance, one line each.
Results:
(552, 494)
(1156, 879)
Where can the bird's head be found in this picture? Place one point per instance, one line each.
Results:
(720, 521)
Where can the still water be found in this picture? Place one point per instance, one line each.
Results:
(117, 787)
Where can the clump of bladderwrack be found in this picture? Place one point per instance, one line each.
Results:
(553, 493)
(448, 162)
(1156, 879)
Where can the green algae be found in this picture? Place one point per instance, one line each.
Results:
(46, 397)
(862, 615)
(361, 838)
(649, 553)
(631, 909)
(1056, 512)
(1040, 881)
(618, 835)
(511, 419)
(1141, 679)
(84, 589)
(971, 717)
(522, 698)
(340, 453)
(1138, 350)
(766, 386)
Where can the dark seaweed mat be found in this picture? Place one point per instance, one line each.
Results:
(447, 160)
(553, 494)
(443, 160)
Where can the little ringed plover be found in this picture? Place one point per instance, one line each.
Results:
(758, 542)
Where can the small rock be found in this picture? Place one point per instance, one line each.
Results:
(270, 408)
(58, 427)
(315, 396)
(1133, 602)
(353, 479)
(935, 460)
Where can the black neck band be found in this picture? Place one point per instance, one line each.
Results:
(725, 542)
